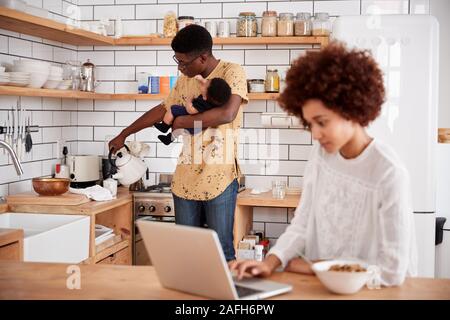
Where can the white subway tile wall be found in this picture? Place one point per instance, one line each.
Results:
(84, 125)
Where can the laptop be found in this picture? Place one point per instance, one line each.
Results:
(191, 260)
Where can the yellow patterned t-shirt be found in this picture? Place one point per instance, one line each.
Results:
(208, 161)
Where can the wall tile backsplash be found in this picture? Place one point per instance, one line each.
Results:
(84, 125)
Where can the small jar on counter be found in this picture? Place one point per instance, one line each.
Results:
(184, 21)
(246, 25)
(272, 81)
(303, 24)
(269, 24)
(321, 25)
(286, 25)
(256, 85)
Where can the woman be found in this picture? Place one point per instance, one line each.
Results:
(356, 197)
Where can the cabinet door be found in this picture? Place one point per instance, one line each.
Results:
(120, 257)
(11, 251)
(142, 258)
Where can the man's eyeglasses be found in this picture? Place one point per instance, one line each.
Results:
(183, 64)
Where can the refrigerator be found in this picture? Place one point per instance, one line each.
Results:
(407, 49)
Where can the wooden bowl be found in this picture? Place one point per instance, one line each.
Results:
(50, 186)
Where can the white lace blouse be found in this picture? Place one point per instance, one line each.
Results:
(355, 208)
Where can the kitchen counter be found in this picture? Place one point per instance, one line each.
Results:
(19, 281)
(11, 244)
(90, 208)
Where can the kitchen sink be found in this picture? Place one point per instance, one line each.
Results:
(51, 237)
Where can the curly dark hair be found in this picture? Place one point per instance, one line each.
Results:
(348, 82)
(193, 40)
(218, 92)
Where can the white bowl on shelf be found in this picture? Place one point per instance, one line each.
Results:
(341, 282)
(37, 80)
(51, 84)
(64, 85)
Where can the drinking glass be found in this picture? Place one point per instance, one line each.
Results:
(278, 189)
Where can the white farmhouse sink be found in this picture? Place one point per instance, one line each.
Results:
(51, 237)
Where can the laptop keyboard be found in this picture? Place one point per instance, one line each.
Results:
(245, 291)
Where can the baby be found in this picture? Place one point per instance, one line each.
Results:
(214, 93)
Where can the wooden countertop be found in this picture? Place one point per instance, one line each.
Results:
(89, 208)
(8, 236)
(265, 199)
(3, 207)
(20, 281)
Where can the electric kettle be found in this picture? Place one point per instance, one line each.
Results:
(129, 168)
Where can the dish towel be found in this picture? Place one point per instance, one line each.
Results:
(96, 193)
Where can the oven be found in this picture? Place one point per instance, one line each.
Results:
(155, 204)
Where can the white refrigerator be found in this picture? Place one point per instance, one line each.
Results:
(406, 48)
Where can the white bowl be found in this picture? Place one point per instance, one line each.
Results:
(37, 80)
(51, 84)
(341, 282)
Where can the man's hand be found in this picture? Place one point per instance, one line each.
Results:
(117, 143)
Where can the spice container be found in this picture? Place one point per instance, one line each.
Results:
(269, 24)
(246, 25)
(286, 25)
(211, 26)
(321, 25)
(224, 29)
(272, 81)
(170, 28)
(256, 85)
(303, 24)
(184, 21)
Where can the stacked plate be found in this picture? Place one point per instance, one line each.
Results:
(4, 78)
(19, 79)
(54, 78)
(65, 84)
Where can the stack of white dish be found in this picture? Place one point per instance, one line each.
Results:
(4, 77)
(19, 79)
(65, 84)
(39, 71)
(54, 78)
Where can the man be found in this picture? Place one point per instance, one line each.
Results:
(205, 181)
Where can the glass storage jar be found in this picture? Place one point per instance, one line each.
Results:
(272, 83)
(321, 24)
(184, 21)
(286, 25)
(256, 85)
(303, 24)
(269, 24)
(246, 25)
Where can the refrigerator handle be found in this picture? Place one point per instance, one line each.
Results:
(440, 221)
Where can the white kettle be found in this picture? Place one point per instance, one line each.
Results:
(129, 168)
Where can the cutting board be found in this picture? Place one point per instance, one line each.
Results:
(66, 199)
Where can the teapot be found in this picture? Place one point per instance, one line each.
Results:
(88, 82)
(129, 168)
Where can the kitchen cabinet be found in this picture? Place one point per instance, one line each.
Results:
(11, 244)
(115, 214)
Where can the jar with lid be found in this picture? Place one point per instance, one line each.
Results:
(269, 24)
(246, 25)
(272, 83)
(303, 24)
(321, 24)
(184, 21)
(286, 24)
(256, 85)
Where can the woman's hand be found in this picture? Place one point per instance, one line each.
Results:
(299, 265)
(251, 268)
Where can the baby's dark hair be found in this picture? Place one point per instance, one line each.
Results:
(347, 81)
(192, 40)
(218, 92)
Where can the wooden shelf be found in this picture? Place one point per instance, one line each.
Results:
(17, 21)
(70, 94)
(110, 250)
(148, 41)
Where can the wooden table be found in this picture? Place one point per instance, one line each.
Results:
(48, 281)
(243, 216)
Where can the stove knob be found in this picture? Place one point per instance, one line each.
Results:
(152, 208)
(167, 209)
(141, 208)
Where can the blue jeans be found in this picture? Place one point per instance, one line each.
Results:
(217, 213)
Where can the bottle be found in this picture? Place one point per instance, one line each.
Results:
(286, 25)
(184, 21)
(303, 24)
(272, 83)
(246, 25)
(269, 24)
(259, 252)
